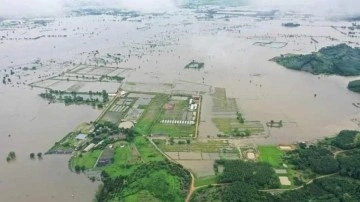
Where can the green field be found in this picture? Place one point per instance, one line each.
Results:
(271, 154)
(174, 130)
(87, 160)
(147, 150)
(202, 181)
(151, 114)
(126, 160)
(180, 106)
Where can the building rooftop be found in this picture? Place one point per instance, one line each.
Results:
(126, 125)
(81, 136)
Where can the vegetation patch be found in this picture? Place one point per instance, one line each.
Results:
(203, 181)
(221, 103)
(160, 181)
(93, 98)
(211, 193)
(211, 146)
(174, 130)
(151, 114)
(85, 160)
(233, 127)
(195, 65)
(259, 175)
(347, 139)
(354, 86)
(271, 155)
(340, 60)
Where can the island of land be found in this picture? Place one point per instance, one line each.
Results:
(340, 60)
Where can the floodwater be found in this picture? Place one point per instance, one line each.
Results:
(264, 90)
(34, 126)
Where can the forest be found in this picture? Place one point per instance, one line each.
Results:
(159, 181)
(340, 60)
(259, 175)
(335, 163)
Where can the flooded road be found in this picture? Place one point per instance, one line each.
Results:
(34, 126)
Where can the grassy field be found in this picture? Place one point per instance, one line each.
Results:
(151, 114)
(147, 150)
(271, 154)
(176, 113)
(174, 130)
(202, 181)
(87, 160)
(222, 103)
(227, 125)
(125, 160)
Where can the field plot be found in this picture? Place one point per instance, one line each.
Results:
(152, 114)
(222, 103)
(128, 108)
(271, 154)
(177, 117)
(211, 146)
(126, 159)
(86, 160)
(232, 126)
(148, 87)
(174, 130)
(200, 168)
(85, 78)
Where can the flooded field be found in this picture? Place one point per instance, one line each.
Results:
(29, 124)
(148, 52)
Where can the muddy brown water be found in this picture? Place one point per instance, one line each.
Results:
(231, 62)
(34, 126)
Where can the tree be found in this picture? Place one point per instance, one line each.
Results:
(77, 169)
(32, 155)
(39, 155)
(12, 155)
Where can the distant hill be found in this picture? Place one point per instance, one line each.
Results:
(340, 60)
(354, 86)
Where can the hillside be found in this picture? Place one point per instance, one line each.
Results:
(340, 60)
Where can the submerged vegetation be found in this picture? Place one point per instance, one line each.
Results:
(340, 60)
(195, 65)
(93, 98)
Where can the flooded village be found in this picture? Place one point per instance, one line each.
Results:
(110, 89)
